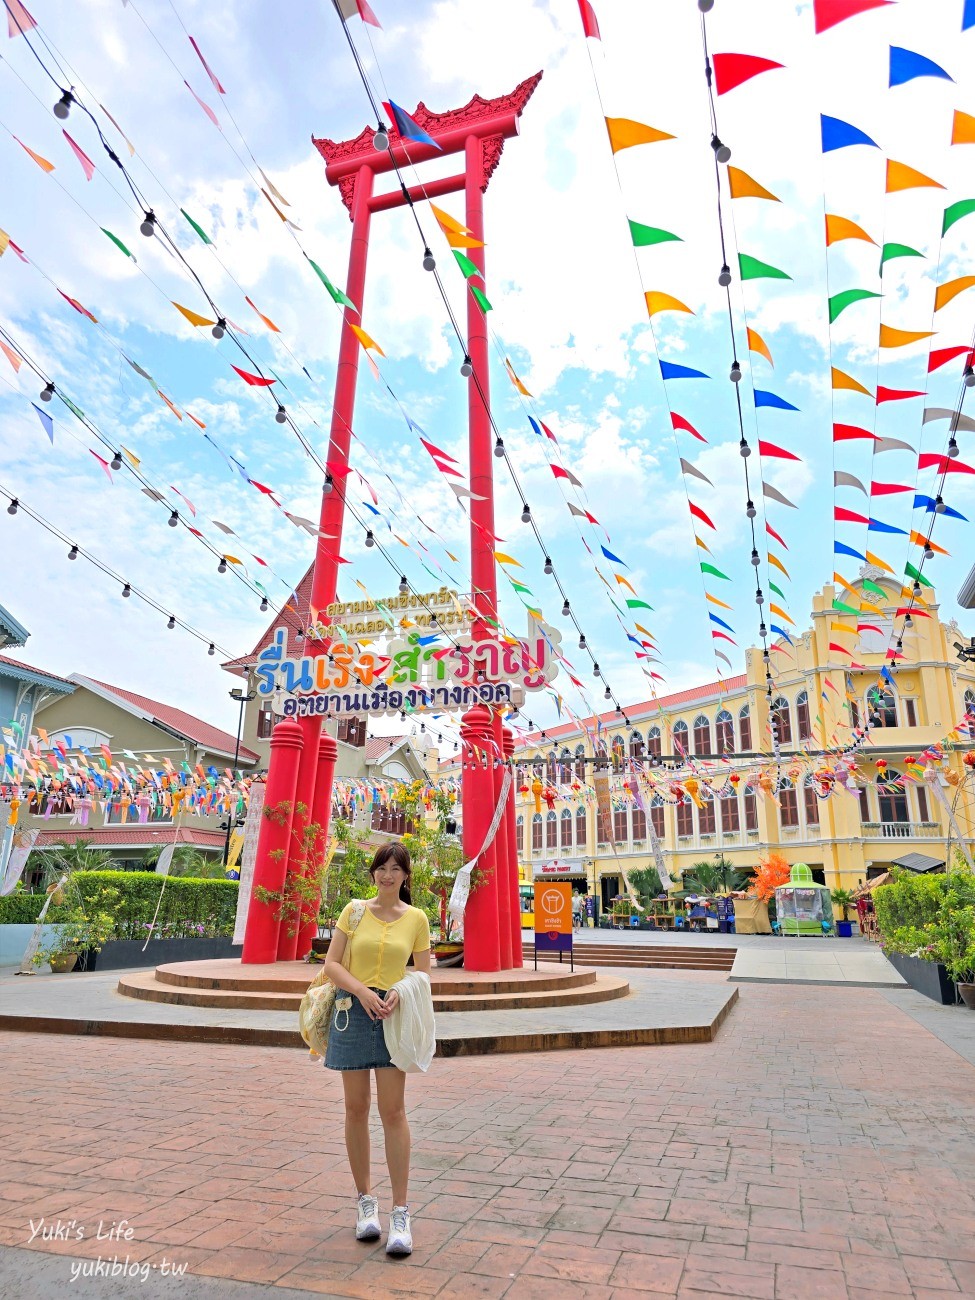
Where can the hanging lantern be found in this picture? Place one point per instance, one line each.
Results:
(734, 778)
(537, 788)
(969, 759)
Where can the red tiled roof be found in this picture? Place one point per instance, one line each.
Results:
(295, 614)
(185, 724)
(135, 837)
(29, 668)
(377, 746)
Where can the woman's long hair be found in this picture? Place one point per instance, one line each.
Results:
(400, 855)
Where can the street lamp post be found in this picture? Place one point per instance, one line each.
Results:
(242, 698)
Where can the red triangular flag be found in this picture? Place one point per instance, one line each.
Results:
(589, 24)
(828, 13)
(79, 153)
(210, 73)
(896, 394)
(254, 380)
(772, 533)
(730, 70)
(679, 422)
(698, 513)
(770, 449)
(941, 356)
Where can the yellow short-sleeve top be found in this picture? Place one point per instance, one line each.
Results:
(379, 950)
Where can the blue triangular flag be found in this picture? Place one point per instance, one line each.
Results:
(968, 15)
(615, 558)
(841, 548)
(840, 135)
(720, 622)
(407, 128)
(780, 631)
(930, 505)
(535, 425)
(887, 675)
(668, 370)
(878, 526)
(770, 399)
(905, 65)
(46, 421)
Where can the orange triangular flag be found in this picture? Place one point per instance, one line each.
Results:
(743, 186)
(878, 563)
(962, 128)
(193, 317)
(515, 380)
(892, 338)
(11, 355)
(624, 133)
(757, 344)
(842, 380)
(41, 162)
(657, 301)
(195, 420)
(902, 177)
(177, 413)
(366, 340)
(838, 228)
(458, 236)
(266, 319)
(944, 293)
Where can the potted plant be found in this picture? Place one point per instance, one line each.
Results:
(77, 932)
(843, 898)
(954, 944)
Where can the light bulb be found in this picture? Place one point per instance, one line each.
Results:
(172, 623)
(724, 277)
(607, 694)
(433, 620)
(212, 650)
(759, 598)
(939, 505)
(328, 484)
(173, 519)
(47, 392)
(148, 226)
(928, 552)
(755, 559)
(63, 107)
(744, 451)
(952, 447)
(281, 415)
(765, 655)
(429, 261)
(750, 510)
(762, 630)
(582, 640)
(908, 621)
(969, 377)
(380, 140)
(565, 609)
(12, 508)
(404, 586)
(526, 515)
(735, 373)
(721, 151)
(126, 591)
(547, 567)
(220, 329)
(466, 369)
(222, 566)
(705, 6)
(595, 670)
(117, 461)
(73, 553)
(263, 604)
(370, 540)
(300, 634)
(499, 447)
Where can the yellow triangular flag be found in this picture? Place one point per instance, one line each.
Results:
(840, 379)
(703, 545)
(892, 338)
(902, 177)
(506, 559)
(624, 133)
(878, 563)
(743, 186)
(774, 559)
(714, 601)
(842, 629)
(757, 344)
(43, 163)
(4, 242)
(838, 228)
(131, 457)
(945, 292)
(193, 317)
(962, 128)
(658, 301)
(365, 339)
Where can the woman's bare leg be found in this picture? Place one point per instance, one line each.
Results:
(358, 1099)
(390, 1094)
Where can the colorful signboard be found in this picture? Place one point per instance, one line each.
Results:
(553, 916)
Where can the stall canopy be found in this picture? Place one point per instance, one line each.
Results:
(919, 862)
(802, 906)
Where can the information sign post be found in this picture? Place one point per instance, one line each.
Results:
(553, 919)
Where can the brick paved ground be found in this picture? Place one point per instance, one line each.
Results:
(823, 1146)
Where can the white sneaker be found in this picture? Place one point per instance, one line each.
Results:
(367, 1225)
(400, 1239)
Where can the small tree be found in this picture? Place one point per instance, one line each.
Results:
(81, 855)
(844, 900)
(435, 855)
(647, 884)
(714, 878)
(772, 870)
(187, 861)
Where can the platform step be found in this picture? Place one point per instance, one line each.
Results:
(647, 957)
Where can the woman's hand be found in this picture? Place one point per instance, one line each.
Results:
(391, 1003)
(372, 1004)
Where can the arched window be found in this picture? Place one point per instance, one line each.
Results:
(730, 817)
(636, 747)
(780, 716)
(725, 728)
(811, 801)
(854, 713)
(639, 819)
(788, 804)
(653, 742)
(751, 810)
(551, 831)
(520, 834)
(893, 801)
(565, 767)
(882, 707)
(565, 830)
(550, 775)
(619, 753)
(803, 725)
(680, 737)
(537, 833)
(581, 827)
(685, 819)
(657, 816)
(705, 815)
(745, 729)
(970, 702)
(580, 764)
(702, 734)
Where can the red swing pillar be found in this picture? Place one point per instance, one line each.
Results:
(271, 864)
(509, 829)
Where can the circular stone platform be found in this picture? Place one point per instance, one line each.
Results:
(281, 985)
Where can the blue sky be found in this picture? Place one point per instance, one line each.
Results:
(566, 285)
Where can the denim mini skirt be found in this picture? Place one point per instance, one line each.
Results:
(355, 1042)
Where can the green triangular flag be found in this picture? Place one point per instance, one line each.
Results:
(480, 299)
(709, 568)
(638, 604)
(751, 268)
(336, 294)
(643, 236)
(955, 213)
(890, 251)
(465, 263)
(846, 609)
(872, 586)
(198, 228)
(778, 590)
(917, 575)
(76, 410)
(520, 586)
(840, 301)
(118, 243)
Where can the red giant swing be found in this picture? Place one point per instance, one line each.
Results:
(302, 765)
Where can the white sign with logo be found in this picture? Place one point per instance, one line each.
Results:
(558, 869)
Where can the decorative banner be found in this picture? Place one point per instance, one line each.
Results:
(604, 806)
(252, 832)
(24, 841)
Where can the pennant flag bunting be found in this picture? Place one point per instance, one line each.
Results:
(943, 464)
(889, 489)
(657, 302)
(334, 293)
(77, 306)
(757, 344)
(590, 27)
(11, 356)
(209, 71)
(560, 472)
(774, 559)
(678, 421)
(774, 494)
(891, 444)
(743, 186)
(917, 575)
(896, 394)
(841, 135)
(772, 533)
(698, 513)
(878, 526)
(351, 8)
(752, 269)
(407, 127)
(457, 236)
(763, 398)
(196, 226)
(205, 106)
(644, 236)
(46, 422)
(118, 243)
(843, 479)
(890, 251)
(18, 19)
(365, 339)
(615, 558)
(944, 293)
(905, 65)
(841, 548)
(902, 177)
(955, 212)
(87, 166)
(688, 468)
(840, 301)
(850, 433)
(625, 133)
(43, 163)
(194, 317)
(731, 70)
(929, 505)
(932, 413)
(839, 228)
(894, 338)
(468, 267)
(266, 319)
(771, 449)
(962, 128)
(104, 464)
(840, 379)
(670, 370)
(827, 13)
(255, 381)
(514, 379)
(919, 539)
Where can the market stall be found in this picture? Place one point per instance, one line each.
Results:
(802, 906)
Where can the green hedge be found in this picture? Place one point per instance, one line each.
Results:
(908, 910)
(190, 906)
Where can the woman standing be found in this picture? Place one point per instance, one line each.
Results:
(390, 930)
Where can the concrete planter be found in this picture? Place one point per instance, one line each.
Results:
(127, 954)
(928, 977)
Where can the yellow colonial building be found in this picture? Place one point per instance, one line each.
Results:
(824, 798)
